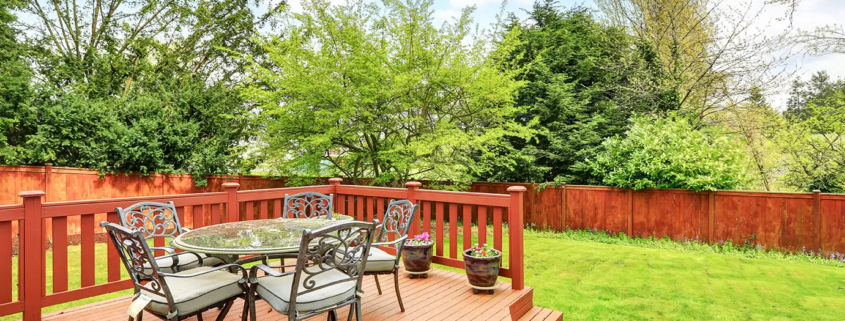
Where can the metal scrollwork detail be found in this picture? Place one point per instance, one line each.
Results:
(138, 259)
(151, 218)
(339, 249)
(308, 205)
(397, 219)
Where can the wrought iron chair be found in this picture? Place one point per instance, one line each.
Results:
(397, 221)
(327, 274)
(308, 205)
(176, 296)
(155, 219)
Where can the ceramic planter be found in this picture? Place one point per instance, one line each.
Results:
(482, 271)
(417, 258)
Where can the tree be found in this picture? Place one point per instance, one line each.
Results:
(366, 90)
(670, 153)
(572, 73)
(710, 52)
(15, 91)
(140, 86)
(814, 138)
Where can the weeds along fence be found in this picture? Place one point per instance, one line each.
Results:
(791, 221)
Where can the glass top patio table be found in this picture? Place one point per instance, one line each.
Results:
(278, 235)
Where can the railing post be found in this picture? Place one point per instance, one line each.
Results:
(515, 227)
(33, 260)
(817, 222)
(334, 182)
(232, 204)
(412, 189)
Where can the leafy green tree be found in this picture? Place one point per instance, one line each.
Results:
(140, 86)
(813, 137)
(368, 90)
(575, 68)
(15, 91)
(671, 153)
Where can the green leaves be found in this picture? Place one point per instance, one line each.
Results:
(367, 90)
(670, 153)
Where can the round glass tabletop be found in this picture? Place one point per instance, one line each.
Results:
(278, 235)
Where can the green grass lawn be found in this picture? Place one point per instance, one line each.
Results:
(592, 280)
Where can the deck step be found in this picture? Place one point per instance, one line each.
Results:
(541, 314)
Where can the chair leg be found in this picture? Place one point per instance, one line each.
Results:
(351, 311)
(225, 310)
(396, 283)
(358, 315)
(378, 286)
(332, 315)
(199, 317)
(247, 303)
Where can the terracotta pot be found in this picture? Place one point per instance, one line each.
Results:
(417, 258)
(482, 271)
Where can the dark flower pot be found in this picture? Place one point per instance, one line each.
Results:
(482, 271)
(417, 258)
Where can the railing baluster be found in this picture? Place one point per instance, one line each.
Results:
(262, 213)
(482, 224)
(497, 228)
(215, 214)
(439, 225)
(86, 225)
(199, 217)
(59, 254)
(453, 230)
(250, 211)
(427, 216)
(371, 213)
(114, 265)
(359, 213)
(380, 209)
(467, 226)
(6, 241)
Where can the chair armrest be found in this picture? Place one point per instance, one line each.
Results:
(217, 268)
(394, 242)
(253, 272)
(175, 257)
(169, 250)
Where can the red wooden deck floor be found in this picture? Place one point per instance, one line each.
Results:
(443, 296)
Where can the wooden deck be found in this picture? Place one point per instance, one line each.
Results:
(443, 296)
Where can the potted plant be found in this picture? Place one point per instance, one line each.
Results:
(416, 254)
(482, 267)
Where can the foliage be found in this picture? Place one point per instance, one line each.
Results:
(569, 89)
(137, 86)
(420, 239)
(670, 153)
(15, 91)
(813, 136)
(366, 90)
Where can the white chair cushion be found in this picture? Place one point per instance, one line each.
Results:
(380, 261)
(276, 291)
(196, 293)
(186, 262)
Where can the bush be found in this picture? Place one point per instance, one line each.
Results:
(670, 153)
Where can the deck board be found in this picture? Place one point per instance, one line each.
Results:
(443, 296)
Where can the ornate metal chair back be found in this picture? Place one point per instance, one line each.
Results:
(308, 205)
(397, 220)
(151, 218)
(135, 254)
(342, 247)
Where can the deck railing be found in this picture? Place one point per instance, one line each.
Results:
(473, 210)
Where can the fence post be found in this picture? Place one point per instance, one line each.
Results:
(711, 215)
(232, 204)
(48, 172)
(515, 237)
(335, 182)
(817, 222)
(412, 189)
(629, 195)
(33, 260)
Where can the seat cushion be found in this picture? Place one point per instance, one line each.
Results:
(186, 262)
(196, 293)
(276, 291)
(380, 261)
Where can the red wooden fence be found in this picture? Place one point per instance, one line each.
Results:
(231, 204)
(791, 221)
